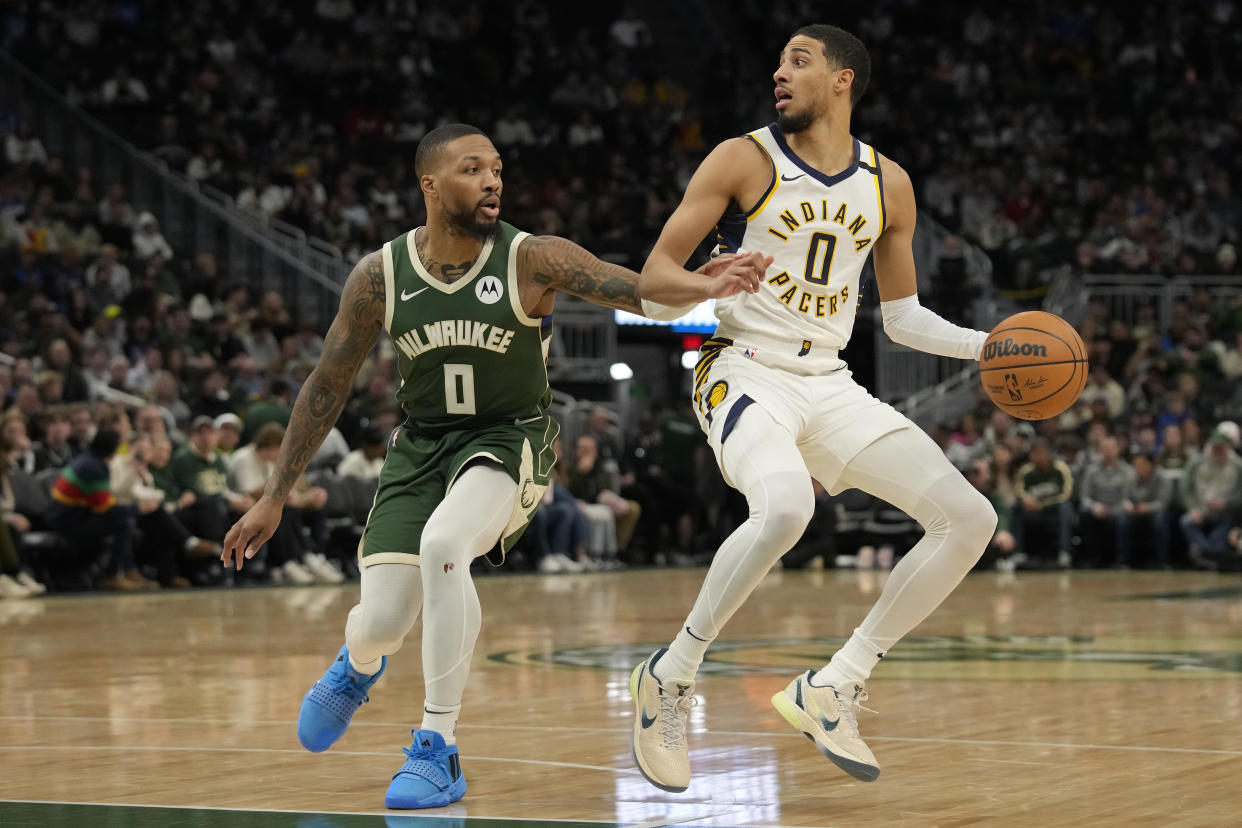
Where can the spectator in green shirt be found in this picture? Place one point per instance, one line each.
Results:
(1043, 515)
(275, 408)
(199, 469)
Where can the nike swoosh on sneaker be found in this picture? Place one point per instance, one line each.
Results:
(405, 297)
(828, 725)
(644, 719)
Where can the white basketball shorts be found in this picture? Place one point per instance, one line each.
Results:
(829, 417)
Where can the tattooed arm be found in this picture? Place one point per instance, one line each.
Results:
(552, 263)
(351, 337)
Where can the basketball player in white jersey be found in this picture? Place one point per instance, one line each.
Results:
(779, 407)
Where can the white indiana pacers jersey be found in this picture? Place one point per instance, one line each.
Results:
(819, 229)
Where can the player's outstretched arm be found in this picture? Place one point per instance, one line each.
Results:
(714, 185)
(558, 264)
(906, 321)
(351, 337)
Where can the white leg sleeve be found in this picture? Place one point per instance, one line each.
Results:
(762, 460)
(907, 469)
(464, 526)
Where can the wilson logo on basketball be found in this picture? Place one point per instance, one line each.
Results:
(993, 350)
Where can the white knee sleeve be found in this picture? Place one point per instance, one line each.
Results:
(392, 595)
(951, 507)
(783, 503)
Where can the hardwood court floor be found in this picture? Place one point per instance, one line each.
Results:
(1080, 699)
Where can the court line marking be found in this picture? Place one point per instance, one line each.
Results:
(386, 753)
(441, 816)
(743, 733)
(447, 814)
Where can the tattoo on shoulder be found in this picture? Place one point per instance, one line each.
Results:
(367, 291)
(559, 264)
(350, 338)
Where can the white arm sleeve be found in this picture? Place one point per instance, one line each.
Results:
(663, 313)
(908, 323)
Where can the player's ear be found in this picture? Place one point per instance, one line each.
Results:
(843, 81)
(428, 185)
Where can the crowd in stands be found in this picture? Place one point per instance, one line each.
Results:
(1144, 470)
(1047, 132)
(1091, 135)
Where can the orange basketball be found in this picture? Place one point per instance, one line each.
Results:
(1034, 365)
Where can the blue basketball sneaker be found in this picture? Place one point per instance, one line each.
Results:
(332, 701)
(431, 776)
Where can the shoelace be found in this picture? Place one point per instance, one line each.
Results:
(850, 707)
(343, 683)
(674, 714)
(417, 751)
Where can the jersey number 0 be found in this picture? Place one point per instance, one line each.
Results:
(823, 245)
(459, 388)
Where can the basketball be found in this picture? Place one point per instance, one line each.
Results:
(1034, 365)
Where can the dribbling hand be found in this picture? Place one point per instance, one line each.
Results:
(254, 529)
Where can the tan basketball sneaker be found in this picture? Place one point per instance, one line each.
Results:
(661, 711)
(828, 716)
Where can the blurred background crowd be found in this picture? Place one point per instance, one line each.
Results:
(144, 388)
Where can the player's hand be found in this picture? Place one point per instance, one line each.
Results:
(255, 528)
(717, 264)
(739, 273)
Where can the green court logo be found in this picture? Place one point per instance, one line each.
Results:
(930, 658)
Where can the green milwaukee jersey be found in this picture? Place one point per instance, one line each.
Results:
(467, 353)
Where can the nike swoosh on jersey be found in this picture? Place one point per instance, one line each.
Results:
(794, 178)
(405, 297)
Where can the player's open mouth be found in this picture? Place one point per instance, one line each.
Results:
(783, 97)
(490, 207)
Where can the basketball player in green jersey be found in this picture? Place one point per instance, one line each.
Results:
(467, 301)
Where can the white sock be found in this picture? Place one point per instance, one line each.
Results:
(684, 656)
(442, 718)
(852, 663)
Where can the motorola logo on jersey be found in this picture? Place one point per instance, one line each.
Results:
(488, 290)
